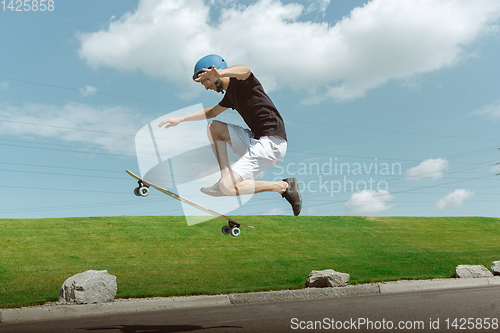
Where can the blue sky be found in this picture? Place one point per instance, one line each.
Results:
(392, 108)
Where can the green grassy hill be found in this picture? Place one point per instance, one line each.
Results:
(162, 256)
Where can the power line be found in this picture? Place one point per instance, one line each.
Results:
(387, 131)
(66, 150)
(58, 167)
(58, 189)
(96, 93)
(398, 192)
(286, 119)
(293, 152)
(60, 174)
(65, 146)
(465, 165)
(92, 205)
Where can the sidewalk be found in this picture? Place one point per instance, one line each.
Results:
(54, 311)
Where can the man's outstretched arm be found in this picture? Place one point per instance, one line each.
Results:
(203, 114)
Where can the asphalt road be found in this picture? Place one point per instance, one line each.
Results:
(459, 310)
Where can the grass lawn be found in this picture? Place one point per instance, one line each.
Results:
(162, 256)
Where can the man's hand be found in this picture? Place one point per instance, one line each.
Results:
(170, 122)
(211, 74)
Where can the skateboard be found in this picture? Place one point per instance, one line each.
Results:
(233, 227)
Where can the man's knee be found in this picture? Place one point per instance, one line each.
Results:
(214, 127)
(217, 130)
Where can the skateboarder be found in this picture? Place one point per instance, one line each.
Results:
(260, 147)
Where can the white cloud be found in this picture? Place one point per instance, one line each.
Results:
(454, 199)
(4, 85)
(496, 169)
(368, 202)
(88, 91)
(315, 212)
(277, 211)
(105, 127)
(161, 38)
(381, 41)
(490, 111)
(318, 5)
(431, 168)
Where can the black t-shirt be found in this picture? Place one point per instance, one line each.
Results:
(252, 103)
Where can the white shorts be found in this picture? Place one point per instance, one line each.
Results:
(256, 154)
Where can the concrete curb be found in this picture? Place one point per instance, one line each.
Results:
(402, 286)
(438, 284)
(304, 294)
(121, 306)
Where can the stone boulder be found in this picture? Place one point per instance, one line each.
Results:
(89, 287)
(472, 271)
(327, 278)
(495, 267)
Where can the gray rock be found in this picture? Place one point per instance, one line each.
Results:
(472, 271)
(495, 267)
(327, 278)
(89, 287)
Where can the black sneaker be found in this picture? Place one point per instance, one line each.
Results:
(292, 195)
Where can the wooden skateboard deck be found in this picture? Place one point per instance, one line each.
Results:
(232, 227)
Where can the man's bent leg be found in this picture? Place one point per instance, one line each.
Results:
(233, 185)
(288, 188)
(218, 134)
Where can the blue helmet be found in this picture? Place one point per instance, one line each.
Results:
(207, 62)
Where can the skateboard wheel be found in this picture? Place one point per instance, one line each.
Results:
(226, 230)
(136, 191)
(143, 191)
(235, 232)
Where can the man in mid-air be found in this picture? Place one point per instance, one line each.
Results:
(260, 147)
